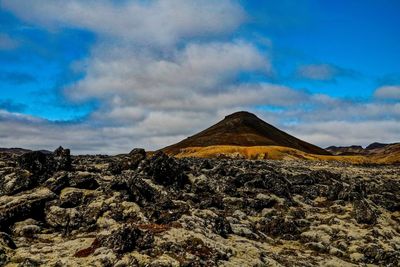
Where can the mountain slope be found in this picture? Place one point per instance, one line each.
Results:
(244, 129)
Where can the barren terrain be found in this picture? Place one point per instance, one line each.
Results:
(133, 210)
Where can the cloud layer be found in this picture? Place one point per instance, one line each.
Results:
(146, 22)
(388, 92)
(163, 70)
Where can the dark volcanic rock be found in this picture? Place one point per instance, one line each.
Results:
(37, 163)
(166, 170)
(60, 210)
(83, 181)
(279, 226)
(41, 166)
(6, 246)
(129, 162)
(6, 240)
(278, 185)
(136, 156)
(141, 192)
(127, 238)
(57, 182)
(222, 227)
(62, 158)
(363, 212)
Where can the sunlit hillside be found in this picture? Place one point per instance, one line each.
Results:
(281, 153)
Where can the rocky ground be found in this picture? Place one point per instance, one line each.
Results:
(133, 210)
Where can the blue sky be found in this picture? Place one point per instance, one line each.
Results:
(147, 73)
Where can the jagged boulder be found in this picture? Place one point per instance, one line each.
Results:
(363, 212)
(166, 170)
(62, 159)
(136, 156)
(129, 162)
(141, 191)
(127, 238)
(222, 227)
(278, 185)
(57, 182)
(22, 206)
(6, 240)
(83, 180)
(36, 162)
(42, 166)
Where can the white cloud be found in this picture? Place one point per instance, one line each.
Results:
(161, 22)
(155, 131)
(345, 133)
(147, 77)
(389, 92)
(158, 129)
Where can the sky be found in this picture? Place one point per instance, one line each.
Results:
(105, 76)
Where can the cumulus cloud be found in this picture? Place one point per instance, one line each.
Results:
(323, 72)
(148, 77)
(389, 92)
(161, 22)
(345, 133)
(155, 129)
(17, 130)
(153, 132)
(345, 110)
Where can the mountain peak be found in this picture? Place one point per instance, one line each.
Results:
(375, 145)
(244, 129)
(241, 114)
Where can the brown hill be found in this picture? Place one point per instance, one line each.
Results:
(244, 129)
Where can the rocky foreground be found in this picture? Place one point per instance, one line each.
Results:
(133, 210)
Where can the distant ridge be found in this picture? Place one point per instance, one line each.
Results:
(345, 150)
(19, 151)
(244, 129)
(377, 145)
(372, 149)
(14, 150)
